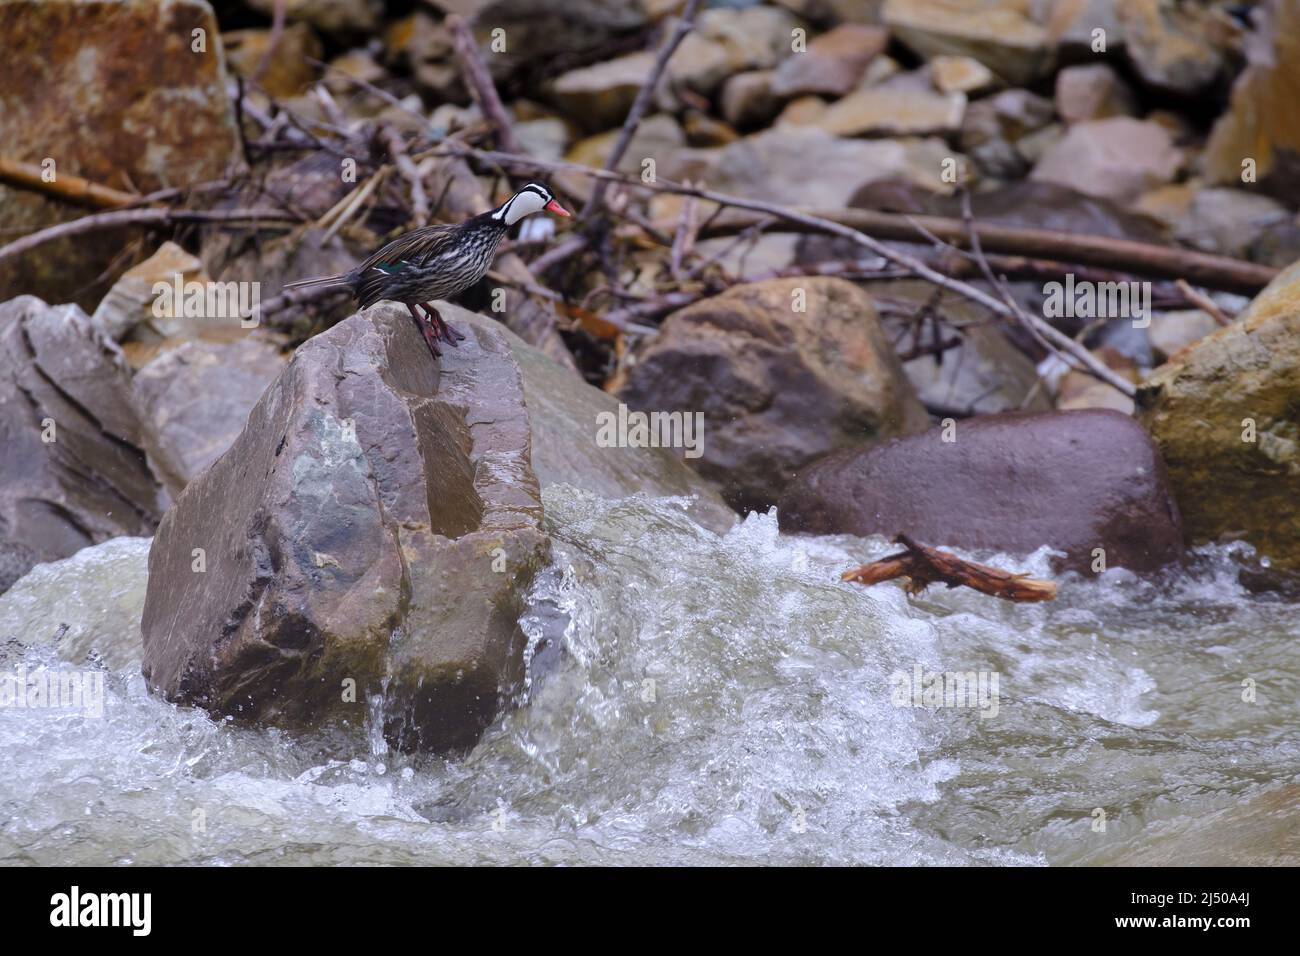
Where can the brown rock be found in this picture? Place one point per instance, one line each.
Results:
(599, 96)
(703, 130)
(985, 374)
(1228, 221)
(835, 11)
(774, 165)
(288, 73)
(891, 112)
(802, 111)
(656, 137)
(725, 42)
(115, 66)
(330, 16)
(994, 127)
(1001, 34)
(1117, 158)
(960, 74)
(1081, 390)
(1075, 481)
(376, 521)
(747, 99)
(1170, 45)
(1092, 91)
(777, 388)
(128, 308)
(73, 472)
(832, 64)
(1259, 136)
(1171, 332)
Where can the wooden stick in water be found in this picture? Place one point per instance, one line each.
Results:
(925, 566)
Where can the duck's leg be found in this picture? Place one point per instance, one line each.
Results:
(426, 330)
(442, 330)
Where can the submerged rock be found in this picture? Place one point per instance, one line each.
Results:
(73, 472)
(1225, 414)
(777, 387)
(371, 533)
(1075, 481)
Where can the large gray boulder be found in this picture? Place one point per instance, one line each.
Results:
(396, 552)
(371, 533)
(73, 472)
(566, 414)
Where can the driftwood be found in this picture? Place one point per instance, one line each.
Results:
(924, 566)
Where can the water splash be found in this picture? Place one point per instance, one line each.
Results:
(701, 699)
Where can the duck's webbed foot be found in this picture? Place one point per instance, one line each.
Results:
(441, 330)
(426, 330)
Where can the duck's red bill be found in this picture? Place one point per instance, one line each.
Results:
(556, 208)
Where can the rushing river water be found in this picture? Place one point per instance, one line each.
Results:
(717, 700)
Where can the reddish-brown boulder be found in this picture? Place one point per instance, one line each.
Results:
(1075, 481)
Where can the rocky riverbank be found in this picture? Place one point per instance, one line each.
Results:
(343, 527)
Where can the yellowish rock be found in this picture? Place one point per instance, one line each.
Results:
(960, 74)
(1001, 34)
(1225, 416)
(1258, 139)
(878, 111)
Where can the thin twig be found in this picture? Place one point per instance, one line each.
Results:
(410, 172)
(480, 83)
(277, 31)
(137, 217)
(1203, 302)
(642, 103)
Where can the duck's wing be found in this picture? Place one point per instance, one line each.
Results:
(374, 278)
(419, 245)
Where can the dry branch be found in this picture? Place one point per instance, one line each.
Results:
(923, 566)
(139, 217)
(480, 83)
(65, 186)
(1107, 252)
(642, 102)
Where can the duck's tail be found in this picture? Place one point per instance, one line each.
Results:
(339, 279)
